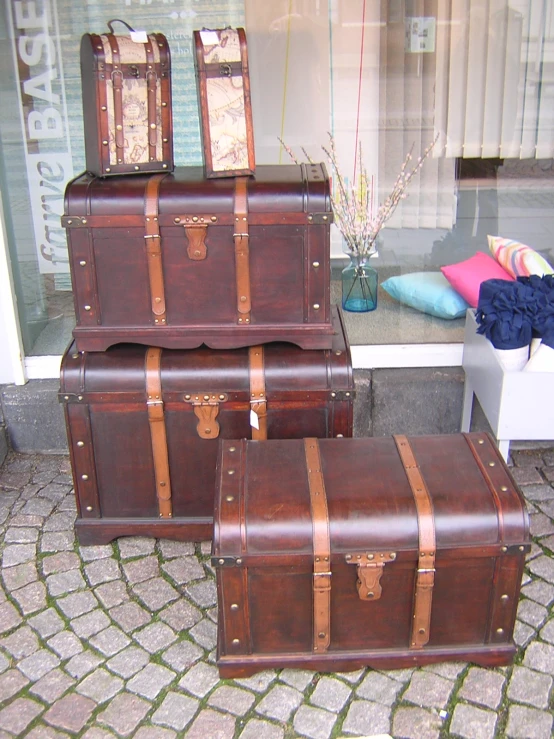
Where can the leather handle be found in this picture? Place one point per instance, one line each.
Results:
(322, 548)
(242, 253)
(158, 435)
(154, 249)
(425, 576)
(258, 400)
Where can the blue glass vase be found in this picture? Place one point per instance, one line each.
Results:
(359, 285)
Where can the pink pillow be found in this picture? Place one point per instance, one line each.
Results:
(466, 277)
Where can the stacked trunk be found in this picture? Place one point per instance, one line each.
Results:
(203, 314)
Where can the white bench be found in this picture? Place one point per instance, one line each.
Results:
(519, 406)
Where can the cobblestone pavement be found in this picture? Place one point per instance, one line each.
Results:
(119, 640)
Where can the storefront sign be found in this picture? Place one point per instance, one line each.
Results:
(38, 67)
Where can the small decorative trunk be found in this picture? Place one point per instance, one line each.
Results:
(387, 552)
(126, 86)
(223, 82)
(177, 261)
(143, 425)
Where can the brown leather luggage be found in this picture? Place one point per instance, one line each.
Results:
(388, 552)
(143, 425)
(177, 260)
(223, 82)
(126, 81)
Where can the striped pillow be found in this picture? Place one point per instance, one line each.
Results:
(518, 259)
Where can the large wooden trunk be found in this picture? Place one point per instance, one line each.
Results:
(126, 82)
(386, 552)
(177, 260)
(223, 82)
(143, 425)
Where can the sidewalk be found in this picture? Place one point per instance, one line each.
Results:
(119, 640)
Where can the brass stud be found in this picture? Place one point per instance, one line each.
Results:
(221, 561)
(137, 168)
(80, 443)
(108, 169)
(234, 606)
(206, 397)
(370, 556)
(152, 125)
(187, 397)
(333, 395)
(164, 166)
(392, 555)
(87, 307)
(522, 548)
(492, 464)
(89, 508)
(120, 161)
(119, 127)
(232, 449)
(340, 436)
(247, 320)
(207, 431)
(236, 641)
(421, 631)
(240, 320)
(66, 397)
(315, 265)
(105, 143)
(505, 596)
(165, 141)
(239, 561)
(316, 306)
(325, 218)
(480, 441)
(243, 298)
(99, 48)
(504, 488)
(75, 356)
(164, 105)
(338, 353)
(103, 108)
(347, 395)
(499, 631)
(230, 498)
(79, 397)
(348, 557)
(83, 263)
(321, 635)
(83, 221)
(157, 300)
(310, 218)
(504, 549)
(156, 320)
(194, 218)
(176, 220)
(231, 472)
(222, 397)
(84, 477)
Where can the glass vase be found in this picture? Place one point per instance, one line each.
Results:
(359, 285)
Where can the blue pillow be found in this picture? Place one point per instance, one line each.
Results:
(429, 292)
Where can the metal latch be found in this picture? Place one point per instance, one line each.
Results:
(370, 568)
(206, 409)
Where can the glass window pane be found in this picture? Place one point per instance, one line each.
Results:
(41, 132)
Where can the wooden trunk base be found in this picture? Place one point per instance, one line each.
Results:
(382, 659)
(318, 336)
(103, 531)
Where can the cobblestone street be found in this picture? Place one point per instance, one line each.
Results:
(119, 640)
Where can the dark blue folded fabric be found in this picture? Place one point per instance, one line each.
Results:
(509, 314)
(503, 313)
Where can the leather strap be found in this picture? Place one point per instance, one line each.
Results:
(258, 401)
(151, 87)
(425, 577)
(156, 420)
(117, 81)
(153, 249)
(242, 258)
(322, 547)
